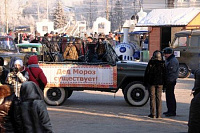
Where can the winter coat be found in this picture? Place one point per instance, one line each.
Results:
(36, 70)
(3, 75)
(172, 68)
(19, 78)
(196, 87)
(6, 111)
(155, 73)
(34, 114)
(194, 115)
(70, 53)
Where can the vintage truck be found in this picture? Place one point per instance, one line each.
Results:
(110, 76)
(64, 77)
(9, 50)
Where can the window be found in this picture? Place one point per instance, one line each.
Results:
(194, 41)
(180, 42)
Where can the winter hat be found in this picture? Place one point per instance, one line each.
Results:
(19, 62)
(167, 50)
(33, 60)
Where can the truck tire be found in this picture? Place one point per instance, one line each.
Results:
(135, 94)
(184, 72)
(55, 96)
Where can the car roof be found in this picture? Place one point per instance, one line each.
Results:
(188, 32)
(6, 37)
(29, 44)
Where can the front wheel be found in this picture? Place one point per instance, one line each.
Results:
(55, 96)
(136, 94)
(184, 72)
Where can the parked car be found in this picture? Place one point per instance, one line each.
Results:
(30, 48)
(9, 50)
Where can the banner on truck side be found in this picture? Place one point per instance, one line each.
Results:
(69, 75)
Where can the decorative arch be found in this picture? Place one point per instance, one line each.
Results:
(102, 21)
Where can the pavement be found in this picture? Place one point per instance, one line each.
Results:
(102, 112)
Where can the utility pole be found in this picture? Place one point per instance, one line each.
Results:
(47, 10)
(107, 12)
(90, 14)
(6, 16)
(38, 11)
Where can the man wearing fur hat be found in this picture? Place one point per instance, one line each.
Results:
(17, 75)
(172, 70)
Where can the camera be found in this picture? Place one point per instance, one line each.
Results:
(14, 69)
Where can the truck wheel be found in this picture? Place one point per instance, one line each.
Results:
(136, 94)
(184, 72)
(55, 96)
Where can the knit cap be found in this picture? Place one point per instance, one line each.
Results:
(19, 62)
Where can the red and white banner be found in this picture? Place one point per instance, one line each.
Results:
(68, 75)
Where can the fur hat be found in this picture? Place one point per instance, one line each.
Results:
(19, 62)
(5, 91)
(167, 50)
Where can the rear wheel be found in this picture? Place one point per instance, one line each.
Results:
(136, 94)
(184, 72)
(55, 96)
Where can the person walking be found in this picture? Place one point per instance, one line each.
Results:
(154, 79)
(35, 72)
(34, 114)
(172, 70)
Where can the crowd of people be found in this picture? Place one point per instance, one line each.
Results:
(22, 105)
(25, 85)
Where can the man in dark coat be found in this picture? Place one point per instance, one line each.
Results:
(154, 79)
(3, 71)
(194, 115)
(35, 72)
(172, 70)
(34, 113)
(196, 88)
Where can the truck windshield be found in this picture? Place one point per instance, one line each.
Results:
(7, 44)
(180, 42)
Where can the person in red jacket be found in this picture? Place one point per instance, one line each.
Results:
(35, 72)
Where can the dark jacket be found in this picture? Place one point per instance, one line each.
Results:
(6, 111)
(194, 115)
(172, 68)
(196, 87)
(34, 114)
(4, 75)
(33, 68)
(155, 73)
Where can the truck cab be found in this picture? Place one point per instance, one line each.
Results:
(9, 50)
(186, 46)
